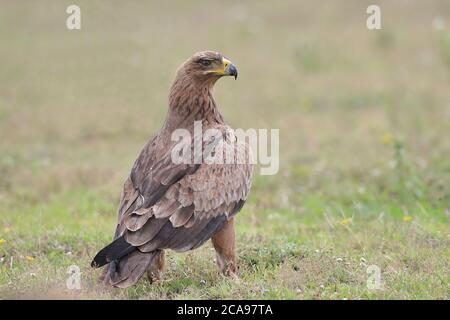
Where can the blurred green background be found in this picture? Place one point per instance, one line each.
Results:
(364, 142)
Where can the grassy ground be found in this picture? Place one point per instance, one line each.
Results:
(364, 143)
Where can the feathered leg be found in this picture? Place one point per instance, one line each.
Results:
(224, 242)
(157, 267)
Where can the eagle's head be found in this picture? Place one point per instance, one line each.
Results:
(190, 94)
(208, 67)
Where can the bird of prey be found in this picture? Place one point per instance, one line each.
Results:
(179, 205)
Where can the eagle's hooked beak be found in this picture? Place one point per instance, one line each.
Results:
(229, 69)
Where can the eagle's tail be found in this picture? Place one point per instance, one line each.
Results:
(114, 251)
(126, 263)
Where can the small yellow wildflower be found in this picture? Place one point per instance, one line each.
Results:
(387, 138)
(2, 241)
(346, 221)
(29, 258)
(407, 218)
(7, 230)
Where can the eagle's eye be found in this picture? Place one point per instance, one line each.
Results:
(205, 62)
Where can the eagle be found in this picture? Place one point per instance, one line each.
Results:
(171, 200)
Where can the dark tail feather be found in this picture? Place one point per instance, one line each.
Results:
(114, 251)
(127, 271)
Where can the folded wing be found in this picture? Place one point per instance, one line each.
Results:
(173, 206)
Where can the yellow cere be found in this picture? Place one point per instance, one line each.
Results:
(225, 64)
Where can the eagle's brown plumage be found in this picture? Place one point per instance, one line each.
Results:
(180, 206)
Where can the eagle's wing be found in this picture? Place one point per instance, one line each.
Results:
(174, 206)
(153, 173)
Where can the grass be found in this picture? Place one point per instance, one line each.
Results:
(364, 151)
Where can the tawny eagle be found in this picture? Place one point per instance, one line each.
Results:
(179, 205)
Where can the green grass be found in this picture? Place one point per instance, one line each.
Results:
(364, 151)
